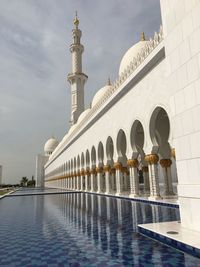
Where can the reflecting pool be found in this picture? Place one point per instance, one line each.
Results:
(77, 229)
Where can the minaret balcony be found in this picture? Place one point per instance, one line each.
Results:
(76, 48)
(71, 77)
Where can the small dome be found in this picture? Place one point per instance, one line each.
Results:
(50, 145)
(100, 93)
(83, 114)
(130, 54)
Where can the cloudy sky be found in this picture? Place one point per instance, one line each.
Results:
(34, 60)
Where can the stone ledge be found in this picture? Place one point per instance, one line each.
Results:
(173, 234)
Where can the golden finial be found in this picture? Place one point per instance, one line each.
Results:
(76, 21)
(109, 82)
(142, 37)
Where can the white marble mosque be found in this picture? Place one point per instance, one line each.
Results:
(140, 137)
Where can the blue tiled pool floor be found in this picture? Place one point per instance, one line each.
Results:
(83, 230)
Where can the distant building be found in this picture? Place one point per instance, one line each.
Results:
(41, 160)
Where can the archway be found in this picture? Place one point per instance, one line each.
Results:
(93, 170)
(159, 128)
(93, 157)
(111, 183)
(100, 174)
(121, 147)
(109, 150)
(87, 175)
(137, 143)
(121, 151)
(159, 131)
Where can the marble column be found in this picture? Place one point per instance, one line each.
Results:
(166, 167)
(78, 180)
(82, 179)
(87, 176)
(145, 172)
(99, 171)
(118, 177)
(93, 179)
(68, 182)
(74, 180)
(71, 187)
(152, 160)
(125, 179)
(134, 179)
(107, 179)
(112, 177)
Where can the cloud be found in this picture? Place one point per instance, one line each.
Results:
(34, 42)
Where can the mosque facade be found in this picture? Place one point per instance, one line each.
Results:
(140, 137)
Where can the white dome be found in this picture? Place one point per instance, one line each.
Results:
(130, 54)
(50, 145)
(83, 114)
(100, 94)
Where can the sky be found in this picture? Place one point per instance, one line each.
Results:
(35, 36)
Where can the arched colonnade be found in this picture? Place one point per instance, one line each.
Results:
(97, 170)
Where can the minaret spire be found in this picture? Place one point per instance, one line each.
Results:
(76, 78)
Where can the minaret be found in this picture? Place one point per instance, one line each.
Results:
(76, 78)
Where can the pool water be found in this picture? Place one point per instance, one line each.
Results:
(77, 229)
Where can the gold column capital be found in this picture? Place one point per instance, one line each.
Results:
(173, 153)
(82, 172)
(145, 169)
(132, 163)
(118, 165)
(152, 158)
(99, 169)
(112, 170)
(87, 172)
(165, 163)
(93, 171)
(106, 168)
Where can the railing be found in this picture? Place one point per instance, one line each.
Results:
(134, 64)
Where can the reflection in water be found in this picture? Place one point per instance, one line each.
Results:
(78, 229)
(111, 224)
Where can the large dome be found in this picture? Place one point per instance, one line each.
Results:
(100, 93)
(130, 54)
(50, 145)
